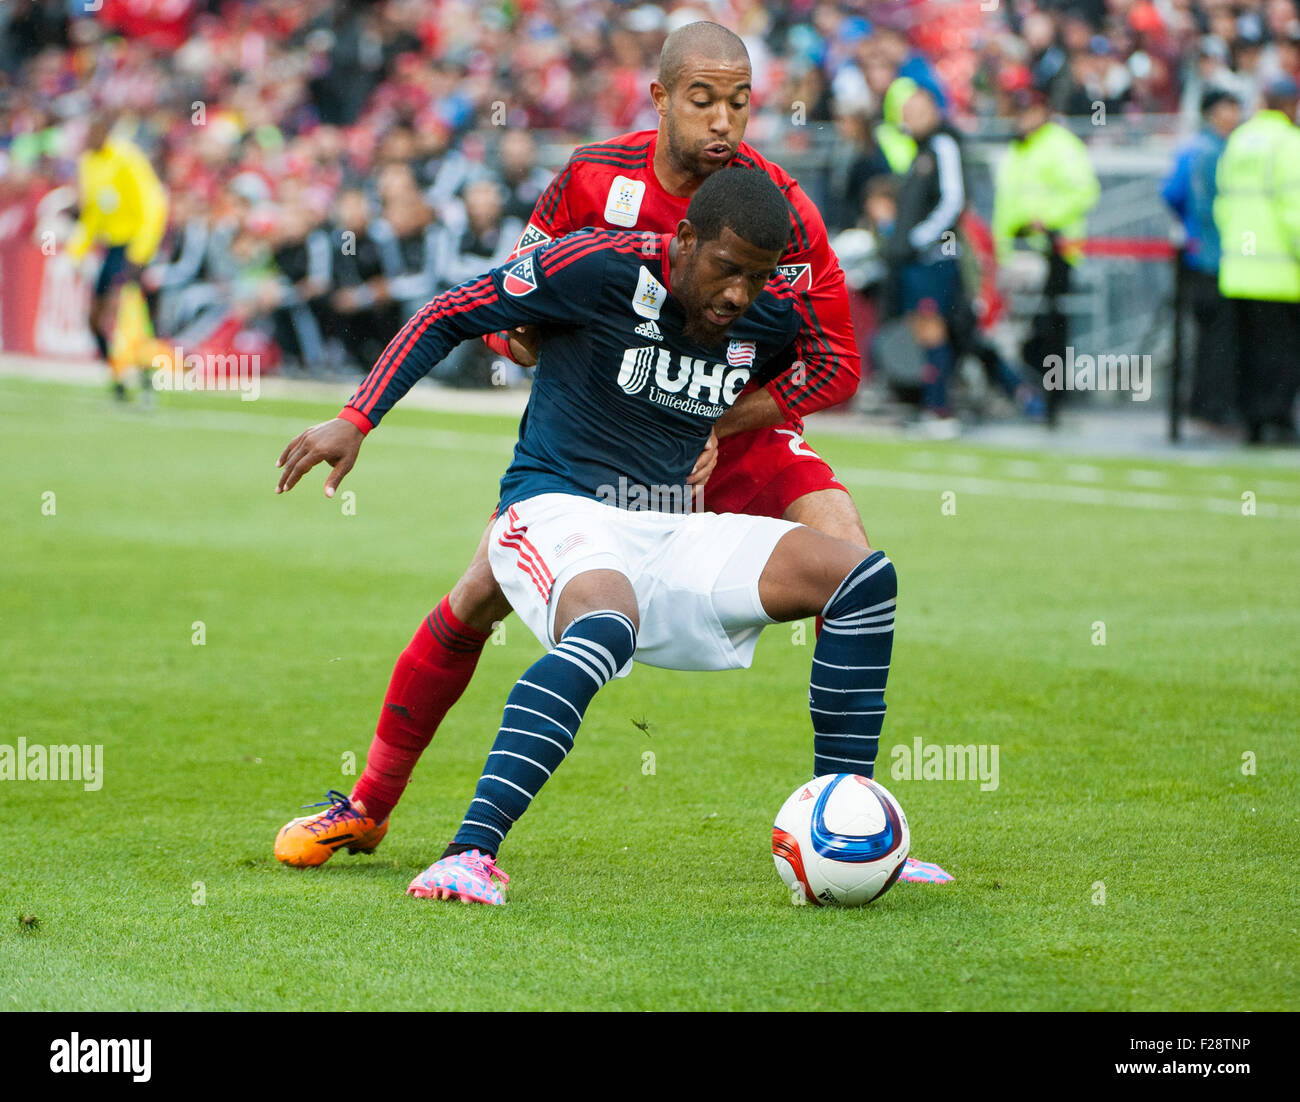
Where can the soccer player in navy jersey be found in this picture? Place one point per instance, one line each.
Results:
(640, 356)
(641, 181)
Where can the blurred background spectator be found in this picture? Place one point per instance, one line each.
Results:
(422, 131)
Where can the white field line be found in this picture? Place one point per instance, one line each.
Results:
(257, 424)
(1059, 493)
(499, 444)
(288, 427)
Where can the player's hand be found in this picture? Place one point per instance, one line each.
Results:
(525, 340)
(704, 465)
(334, 442)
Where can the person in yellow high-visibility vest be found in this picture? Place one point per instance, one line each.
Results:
(1045, 182)
(1257, 212)
(123, 208)
(1044, 189)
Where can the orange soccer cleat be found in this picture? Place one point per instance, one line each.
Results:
(313, 839)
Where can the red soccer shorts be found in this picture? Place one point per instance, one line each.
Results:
(763, 471)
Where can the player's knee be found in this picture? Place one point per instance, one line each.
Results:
(871, 584)
(606, 636)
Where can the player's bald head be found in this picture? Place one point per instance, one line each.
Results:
(699, 42)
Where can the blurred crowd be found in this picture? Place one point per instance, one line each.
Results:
(330, 165)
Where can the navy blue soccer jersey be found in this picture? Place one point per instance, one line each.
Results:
(620, 392)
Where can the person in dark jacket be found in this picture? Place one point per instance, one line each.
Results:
(1189, 190)
(922, 249)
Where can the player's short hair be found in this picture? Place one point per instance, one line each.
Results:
(744, 201)
(702, 39)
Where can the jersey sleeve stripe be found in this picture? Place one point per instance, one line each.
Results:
(608, 149)
(826, 354)
(554, 192)
(567, 252)
(619, 162)
(482, 292)
(801, 231)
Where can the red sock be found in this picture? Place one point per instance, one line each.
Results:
(429, 678)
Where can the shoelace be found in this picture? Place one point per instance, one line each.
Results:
(339, 806)
(487, 866)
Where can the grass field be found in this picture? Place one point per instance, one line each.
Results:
(1119, 763)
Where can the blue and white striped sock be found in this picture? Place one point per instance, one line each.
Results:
(846, 693)
(542, 715)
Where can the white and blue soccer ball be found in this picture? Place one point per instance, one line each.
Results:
(840, 841)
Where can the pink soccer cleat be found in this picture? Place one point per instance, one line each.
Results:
(923, 872)
(467, 876)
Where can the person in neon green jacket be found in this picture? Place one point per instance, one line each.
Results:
(893, 141)
(1045, 181)
(1044, 189)
(1257, 212)
(1257, 207)
(124, 208)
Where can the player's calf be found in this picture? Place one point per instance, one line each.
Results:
(846, 697)
(541, 719)
(430, 675)
(809, 573)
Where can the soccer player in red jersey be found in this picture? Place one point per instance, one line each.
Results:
(762, 466)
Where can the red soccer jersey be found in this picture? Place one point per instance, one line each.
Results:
(613, 183)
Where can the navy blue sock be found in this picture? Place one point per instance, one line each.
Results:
(846, 692)
(542, 715)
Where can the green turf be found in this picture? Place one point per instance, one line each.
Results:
(1119, 763)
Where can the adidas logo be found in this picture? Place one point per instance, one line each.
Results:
(649, 329)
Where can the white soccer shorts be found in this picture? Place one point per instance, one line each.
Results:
(695, 575)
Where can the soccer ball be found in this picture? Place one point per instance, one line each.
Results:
(840, 841)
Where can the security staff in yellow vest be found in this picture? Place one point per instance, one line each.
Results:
(1257, 212)
(1044, 183)
(1044, 189)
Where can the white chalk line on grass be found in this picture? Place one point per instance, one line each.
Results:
(263, 424)
(1059, 493)
(499, 444)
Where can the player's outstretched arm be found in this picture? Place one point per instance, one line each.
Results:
(557, 284)
(335, 442)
